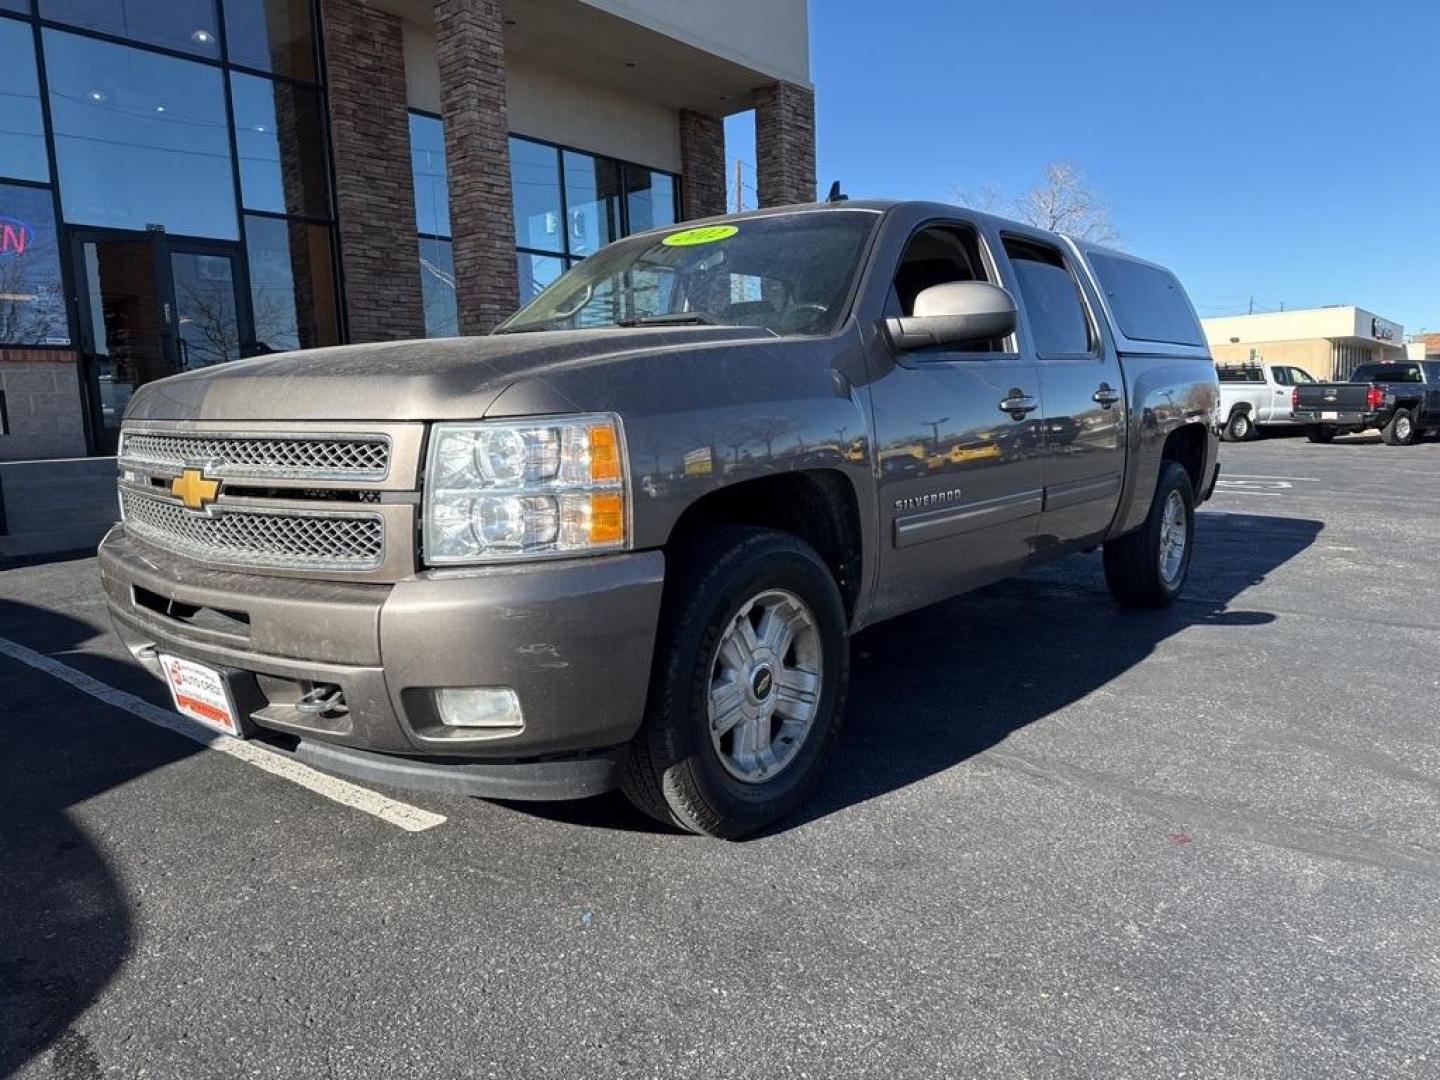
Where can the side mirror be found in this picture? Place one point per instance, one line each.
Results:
(954, 312)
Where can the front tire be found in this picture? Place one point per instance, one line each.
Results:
(747, 687)
(1402, 430)
(1147, 568)
(1241, 427)
(1319, 433)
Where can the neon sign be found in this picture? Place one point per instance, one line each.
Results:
(15, 236)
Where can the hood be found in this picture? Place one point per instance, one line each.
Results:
(434, 379)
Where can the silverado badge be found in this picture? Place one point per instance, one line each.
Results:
(193, 489)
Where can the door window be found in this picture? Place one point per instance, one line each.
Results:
(1281, 375)
(1052, 299)
(207, 324)
(1299, 376)
(939, 255)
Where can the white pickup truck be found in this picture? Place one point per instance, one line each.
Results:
(1254, 395)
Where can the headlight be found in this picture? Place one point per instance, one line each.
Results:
(501, 491)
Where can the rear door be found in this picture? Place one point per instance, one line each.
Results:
(1082, 387)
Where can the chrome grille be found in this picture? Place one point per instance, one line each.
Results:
(271, 457)
(270, 537)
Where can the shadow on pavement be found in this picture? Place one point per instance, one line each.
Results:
(66, 923)
(935, 687)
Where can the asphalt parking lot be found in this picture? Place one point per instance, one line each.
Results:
(1058, 840)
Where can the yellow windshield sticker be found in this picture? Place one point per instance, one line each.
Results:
(705, 234)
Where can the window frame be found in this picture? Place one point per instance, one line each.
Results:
(1096, 352)
(1012, 352)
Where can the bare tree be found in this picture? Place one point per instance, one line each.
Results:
(1063, 201)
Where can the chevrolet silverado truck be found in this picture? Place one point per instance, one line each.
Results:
(1402, 399)
(1256, 395)
(623, 541)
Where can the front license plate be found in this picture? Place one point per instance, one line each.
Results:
(1329, 416)
(200, 693)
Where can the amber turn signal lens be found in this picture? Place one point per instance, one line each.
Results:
(604, 453)
(607, 518)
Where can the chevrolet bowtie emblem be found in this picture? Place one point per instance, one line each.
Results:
(193, 489)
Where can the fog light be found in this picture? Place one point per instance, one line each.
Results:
(489, 707)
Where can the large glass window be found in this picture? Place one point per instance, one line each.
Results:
(186, 25)
(272, 35)
(22, 128)
(592, 198)
(649, 198)
(427, 162)
(535, 183)
(437, 288)
(32, 294)
(141, 139)
(21, 6)
(292, 284)
(281, 141)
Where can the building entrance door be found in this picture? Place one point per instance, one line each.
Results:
(151, 306)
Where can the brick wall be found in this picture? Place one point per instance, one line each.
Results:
(44, 415)
(374, 191)
(470, 40)
(785, 144)
(702, 164)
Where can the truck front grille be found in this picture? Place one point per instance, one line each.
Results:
(274, 457)
(241, 536)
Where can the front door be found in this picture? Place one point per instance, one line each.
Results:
(957, 442)
(152, 306)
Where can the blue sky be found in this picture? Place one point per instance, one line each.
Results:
(1285, 149)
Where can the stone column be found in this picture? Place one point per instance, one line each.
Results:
(470, 39)
(374, 189)
(785, 143)
(702, 164)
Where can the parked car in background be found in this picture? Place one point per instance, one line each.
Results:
(1401, 399)
(510, 565)
(1256, 395)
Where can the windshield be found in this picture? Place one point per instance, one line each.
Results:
(788, 273)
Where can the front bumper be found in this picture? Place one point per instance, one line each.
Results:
(573, 638)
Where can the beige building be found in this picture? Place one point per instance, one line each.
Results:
(1328, 342)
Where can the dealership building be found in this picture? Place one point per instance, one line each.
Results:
(188, 182)
(1328, 342)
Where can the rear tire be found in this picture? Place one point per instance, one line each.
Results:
(1319, 433)
(1402, 430)
(1147, 568)
(1241, 427)
(685, 767)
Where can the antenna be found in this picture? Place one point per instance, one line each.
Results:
(835, 193)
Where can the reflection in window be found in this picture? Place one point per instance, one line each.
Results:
(22, 129)
(140, 139)
(650, 198)
(292, 287)
(536, 272)
(437, 288)
(280, 139)
(427, 163)
(32, 297)
(207, 324)
(271, 35)
(592, 202)
(22, 6)
(1052, 299)
(535, 179)
(186, 25)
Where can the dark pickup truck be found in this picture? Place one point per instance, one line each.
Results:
(1401, 399)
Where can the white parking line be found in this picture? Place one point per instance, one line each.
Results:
(401, 815)
(1246, 476)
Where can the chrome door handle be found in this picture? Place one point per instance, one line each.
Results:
(1105, 396)
(1018, 403)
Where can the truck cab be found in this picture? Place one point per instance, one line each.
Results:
(1255, 395)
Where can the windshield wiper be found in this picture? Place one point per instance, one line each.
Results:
(675, 318)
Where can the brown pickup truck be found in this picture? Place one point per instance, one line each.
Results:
(624, 540)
